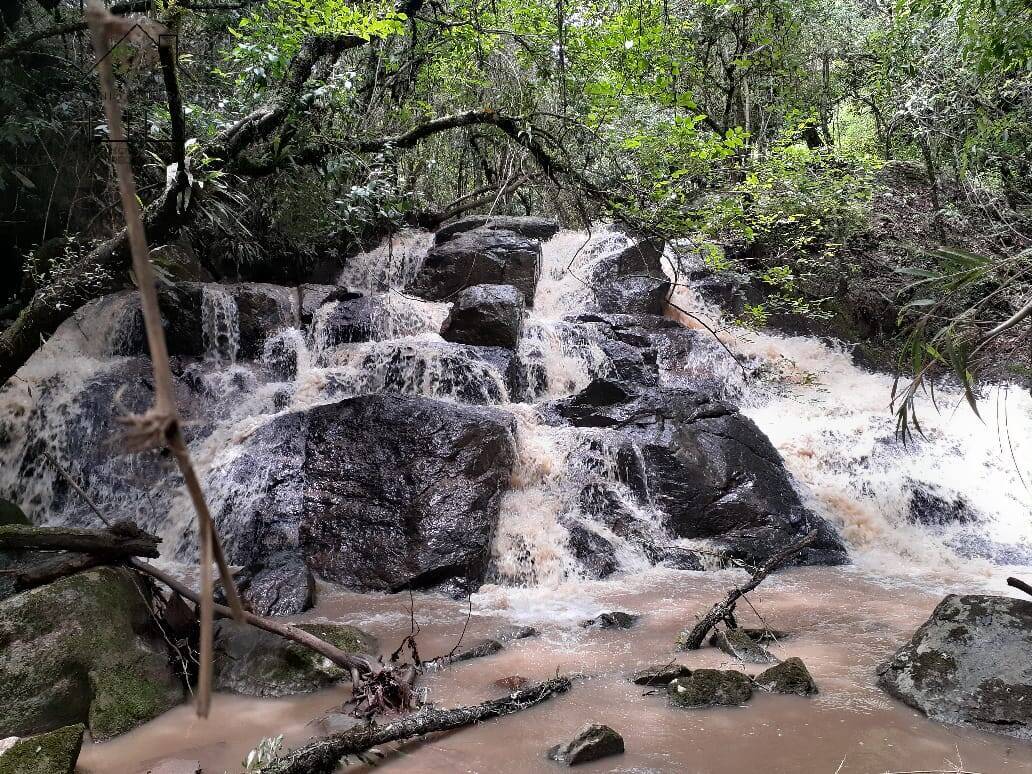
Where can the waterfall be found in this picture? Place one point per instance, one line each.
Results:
(951, 500)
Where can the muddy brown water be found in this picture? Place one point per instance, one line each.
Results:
(842, 623)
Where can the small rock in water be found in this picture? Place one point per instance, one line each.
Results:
(512, 682)
(790, 676)
(706, 687)
(613, 620)
(280, 584)
(740, 645)
(481, 649)
(518, 633)
(592, 742)
(659, 674)
(54, 752)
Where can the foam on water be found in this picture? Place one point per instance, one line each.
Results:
(830, 420)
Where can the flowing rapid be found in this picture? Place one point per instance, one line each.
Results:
(949, 509)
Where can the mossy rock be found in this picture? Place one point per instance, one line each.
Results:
(253, 662)
(54, 752)
(706, 687)
(83, 649)
(790, 676)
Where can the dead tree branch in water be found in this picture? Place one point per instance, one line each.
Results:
(349, 661)
(323, 756)
(120, 540)
(1020, 585)
(692, 639)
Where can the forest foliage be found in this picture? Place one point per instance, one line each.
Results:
(750, 132)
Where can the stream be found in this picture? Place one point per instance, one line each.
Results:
(947, 512)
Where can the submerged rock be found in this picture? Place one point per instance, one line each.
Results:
(282, 584)
(613, 620)
(518, 633)
(970, 662)
(705, 687)
(592, 742)
(740, 645)
(790, 676)
(511, 683)
(486, 315)
(253, 662)
(54, 752)
(660, 674)
(482, 256)
(101, 662)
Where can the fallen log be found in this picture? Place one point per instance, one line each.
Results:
(55, 569)
(121, 540)
(323, 755)
(692, 639)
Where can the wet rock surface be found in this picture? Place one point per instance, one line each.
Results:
(660, 674)
(592, 742)
(253, 662)
(971, 662)
(486, 315)
(534, 228)
(740, 645)
(790, 676)
(54, 752)
(613, 620)
(402, 492)
(101, 662)
(483, 256)
(706, 687)
(279, 585)
(711, 470)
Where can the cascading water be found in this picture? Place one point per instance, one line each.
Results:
(955, 498)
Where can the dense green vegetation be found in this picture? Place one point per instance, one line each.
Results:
(752, 131)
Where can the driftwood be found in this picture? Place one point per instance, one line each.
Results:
(692, 639)
(323, 755)
(1020, 585)
(60, 567)
(121, 540)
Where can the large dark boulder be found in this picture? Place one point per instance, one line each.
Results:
(209, 319)
(101, 661)
(710, 469)
(280, 584)
(534, 228)
(486, 315)
(348, 320)
(402, 491)
(480, 257)
(970, 662)
(631, 281)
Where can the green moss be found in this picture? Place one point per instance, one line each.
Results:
(348, 638)
(52, 753)
(96, 662)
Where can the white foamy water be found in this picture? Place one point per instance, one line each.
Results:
(830, 420)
